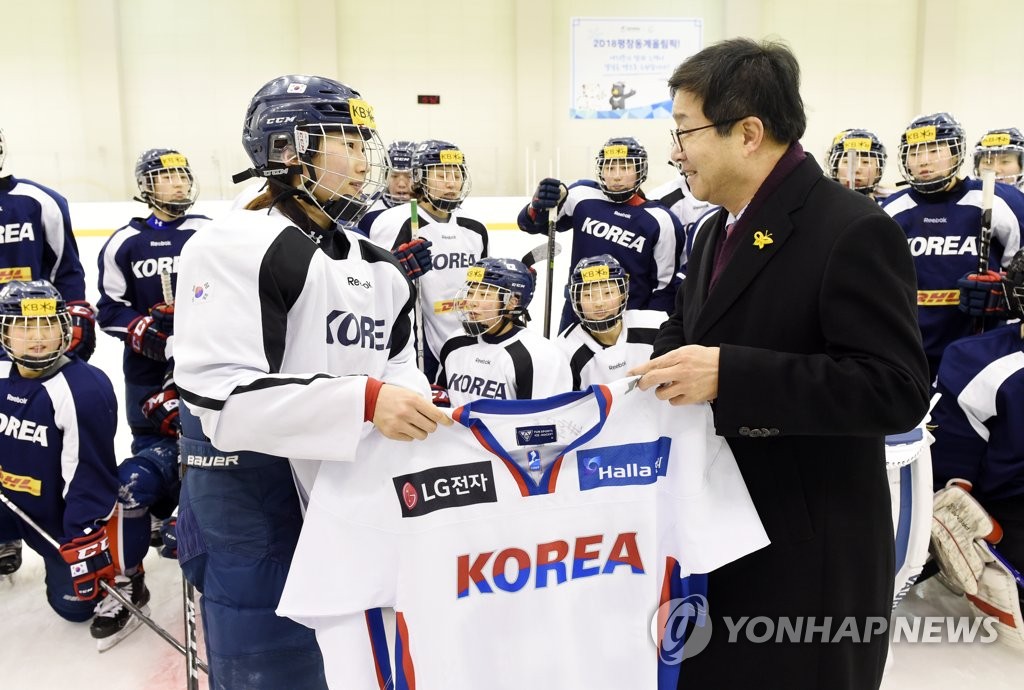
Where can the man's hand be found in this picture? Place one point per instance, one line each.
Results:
(402, 415)
(688, 374)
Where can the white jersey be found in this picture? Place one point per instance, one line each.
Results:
(277, 330)
(677, 197)
(458, 243)
(519, 365)
(527, 546)
(591, 362)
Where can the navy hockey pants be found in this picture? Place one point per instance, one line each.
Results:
(237, 530)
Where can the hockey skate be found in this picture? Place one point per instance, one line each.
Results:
(10, 560)
(113, 621)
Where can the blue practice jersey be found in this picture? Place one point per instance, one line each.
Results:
(57, 447)
(942, 231)
(643, 235)
(977, 416)
(36, 241)
(130, 265)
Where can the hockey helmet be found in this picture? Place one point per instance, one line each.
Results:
(35, 327)
(924, 138)
(867, 147)
(1013, 285)
(621, 151)
(171, 168)
(603, 285)
(1001, 141)
(509, 278)
(400, 155)
(448, 192)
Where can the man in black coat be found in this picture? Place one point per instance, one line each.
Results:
(798, 319)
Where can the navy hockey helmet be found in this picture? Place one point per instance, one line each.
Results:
(3, 149)
(35, 327)
(169, 169)
(293, 119)
(869, 153)
(618, 153)
(440, 175)
(1013, 285)
(399, 187)
(924, 144)
(511, 278)
(996, 142)
(598, 288)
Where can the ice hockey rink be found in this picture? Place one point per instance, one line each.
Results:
(41, 651)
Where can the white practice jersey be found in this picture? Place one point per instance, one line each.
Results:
(457, 244)
(277, 330)
(529, 545)
(519, 365)
(677, 197)
(591, 362)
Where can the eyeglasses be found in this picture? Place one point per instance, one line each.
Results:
(678, 134)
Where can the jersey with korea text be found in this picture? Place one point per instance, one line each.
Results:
(547, 526)
(36, 241)
(277, 328)
(977, 416)
(942, 232)
(643, 235)
(57, 458)
(130, 265)
(592, 362)
(518, 365)
(675, 195)
(458, 243)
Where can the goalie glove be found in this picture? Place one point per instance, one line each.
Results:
(415, 257)
(89, 558)
(981, 294)
(957, 521)
(83, 329)
(998, 595)
(146, 339)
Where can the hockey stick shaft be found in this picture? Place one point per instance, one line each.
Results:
(166, 288)
(550, 274)
(540, 253)
(112, 591)
(414, 226)
(988, 189)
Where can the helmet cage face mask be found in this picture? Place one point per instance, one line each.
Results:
(863, 147)
(1001, 141)
(1013, 285)
(440, 175)
(603, 292)
(343, 169)
(166, 182)
(930, 138)
(400, 155)
(483, 306)
(34, 330)
(620, 152)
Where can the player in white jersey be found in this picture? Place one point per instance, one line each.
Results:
(555, 526)
(497, 357)
(441, 182)
(399, 183)
(609, 339)
(862, 153)
(290, 330)
(676, 196)
(1001, 150)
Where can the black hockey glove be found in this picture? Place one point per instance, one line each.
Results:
(548, 195)
(415, 257)
(981, 294)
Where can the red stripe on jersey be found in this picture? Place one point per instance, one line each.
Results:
(406, 660)
(607, 398)
(666, 594)
(523, 489)
(553, 477)
(636, 200)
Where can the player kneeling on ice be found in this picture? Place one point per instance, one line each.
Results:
(498, 357)
(609, 339)
(58, 416)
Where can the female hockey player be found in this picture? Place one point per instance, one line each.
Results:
(612, 216)
(498, 357)
(1001, 150)
(58, 417)
(609, 339)
(860, 152)
(290, 332)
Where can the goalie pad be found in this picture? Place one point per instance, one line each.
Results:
(909, 467)
(999, 596)
(957, 521)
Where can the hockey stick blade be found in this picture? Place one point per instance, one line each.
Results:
(540, 253)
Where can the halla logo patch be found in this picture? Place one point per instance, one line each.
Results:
(452, 486)
(628, 464)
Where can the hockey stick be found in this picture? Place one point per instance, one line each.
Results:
(552, 215)
(418, 308)
(188, 593)
(851, 169)
(111, 590)
(540, 253)
(988, 190)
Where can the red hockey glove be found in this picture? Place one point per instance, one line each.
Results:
(146, 339)
(439, 396)
(90, 561)
(161, 409)
(163, 317)
(83, 329)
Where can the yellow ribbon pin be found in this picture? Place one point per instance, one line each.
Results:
(762, 238)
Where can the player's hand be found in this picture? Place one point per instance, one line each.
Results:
(161, 409)
(402, 415)
(439, 396)
(981, 294)
(83, 329)
(415, 257)
(163, 317)
(688, 374)
(549, 194)
(89, 558)
(146, 339)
